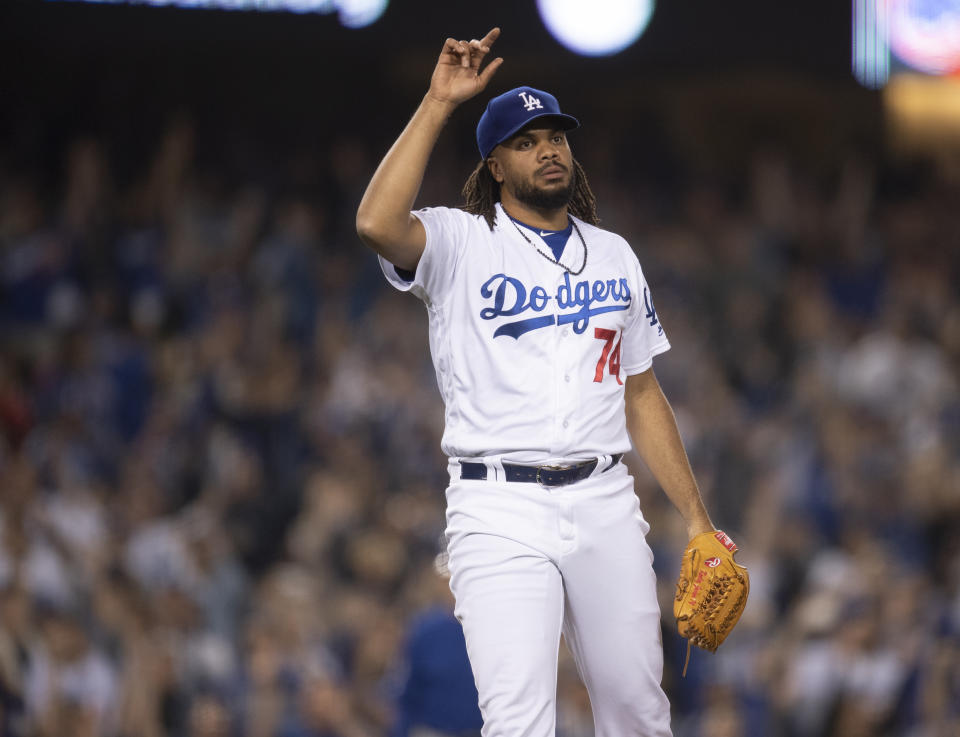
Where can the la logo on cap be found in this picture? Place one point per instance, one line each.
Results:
(530, 102)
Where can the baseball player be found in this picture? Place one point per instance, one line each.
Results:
(542, 333)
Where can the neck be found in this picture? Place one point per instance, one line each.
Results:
(538, 218)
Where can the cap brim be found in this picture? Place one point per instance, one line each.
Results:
(568, 124)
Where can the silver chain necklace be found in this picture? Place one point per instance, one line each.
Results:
(557, 261)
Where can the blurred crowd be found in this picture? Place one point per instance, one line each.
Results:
(222, 490)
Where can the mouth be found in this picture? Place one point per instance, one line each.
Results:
(552, 170)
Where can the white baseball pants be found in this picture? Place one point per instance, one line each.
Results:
(528, 561)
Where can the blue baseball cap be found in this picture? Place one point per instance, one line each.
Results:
(508, 113)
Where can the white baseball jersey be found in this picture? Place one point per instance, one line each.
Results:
(530, 357)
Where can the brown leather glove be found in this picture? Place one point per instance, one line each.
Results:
(711, 591)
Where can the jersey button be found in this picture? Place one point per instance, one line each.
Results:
(566, 423)
(567, 378)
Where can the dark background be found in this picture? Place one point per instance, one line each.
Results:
(712, 78)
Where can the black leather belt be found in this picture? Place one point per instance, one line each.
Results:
(543, 475)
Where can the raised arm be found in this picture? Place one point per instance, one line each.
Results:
(653, 429)
(384, 221)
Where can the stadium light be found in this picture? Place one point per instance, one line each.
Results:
(360, 13)
(926, 35)
(892, 36)
(352, 13)
(598, 27)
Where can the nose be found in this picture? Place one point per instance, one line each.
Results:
(548, 150)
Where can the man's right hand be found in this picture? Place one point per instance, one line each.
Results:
(384, 220)
(457, 76)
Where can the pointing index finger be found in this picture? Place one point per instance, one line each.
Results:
(491, 36)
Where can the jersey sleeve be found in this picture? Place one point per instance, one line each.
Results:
(643, 336)
(447, 232)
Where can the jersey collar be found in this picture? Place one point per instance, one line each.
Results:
(572, 256)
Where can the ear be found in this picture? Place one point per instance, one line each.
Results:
(496, 170)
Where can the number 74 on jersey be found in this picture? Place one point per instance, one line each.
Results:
(613, 356)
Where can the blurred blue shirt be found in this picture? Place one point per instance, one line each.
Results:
(439, 691)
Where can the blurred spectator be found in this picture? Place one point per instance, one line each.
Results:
(325, 709)
(209, 717)
(438, 697)
(16, 636)
(71, 687)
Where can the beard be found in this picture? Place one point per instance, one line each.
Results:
(546, 199)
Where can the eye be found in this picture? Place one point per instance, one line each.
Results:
(526, 143)
(558, 138)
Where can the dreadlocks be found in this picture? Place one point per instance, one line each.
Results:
(481, 192)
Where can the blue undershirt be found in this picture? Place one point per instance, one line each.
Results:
(556, 239)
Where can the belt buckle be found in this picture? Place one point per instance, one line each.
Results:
(550, 468)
